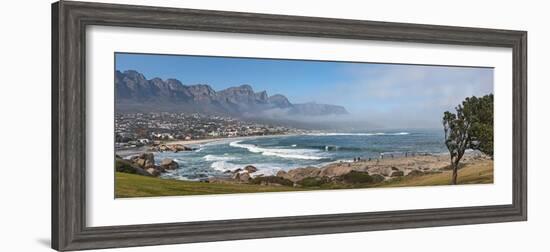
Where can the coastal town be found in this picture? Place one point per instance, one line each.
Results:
(138, 129)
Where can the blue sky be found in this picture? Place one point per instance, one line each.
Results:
(399, 95)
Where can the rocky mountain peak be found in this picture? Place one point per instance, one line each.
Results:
(134, 75)
(280, 101)
(135, 93)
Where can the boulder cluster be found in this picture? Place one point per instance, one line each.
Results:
(170, 147)
(337, 174)
(239, 175)
(144, 164)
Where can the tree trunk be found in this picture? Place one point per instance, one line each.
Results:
(455, 173)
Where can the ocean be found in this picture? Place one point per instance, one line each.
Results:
(273, 153)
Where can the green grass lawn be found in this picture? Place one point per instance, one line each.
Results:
(130, 185)
(479, 173)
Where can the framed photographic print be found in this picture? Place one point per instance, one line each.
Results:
(178, 125)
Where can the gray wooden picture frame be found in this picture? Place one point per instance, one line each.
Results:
(69, 22)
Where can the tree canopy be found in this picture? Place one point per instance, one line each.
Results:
(470, 128)
(479, 112)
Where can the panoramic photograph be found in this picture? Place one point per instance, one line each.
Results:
(199, 125)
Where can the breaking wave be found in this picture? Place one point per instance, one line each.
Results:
(284, 153)
(224, 166)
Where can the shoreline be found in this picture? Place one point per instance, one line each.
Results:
(386, 165)
(126, 152)
(210, 140)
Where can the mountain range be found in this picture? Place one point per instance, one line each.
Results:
(135, 93)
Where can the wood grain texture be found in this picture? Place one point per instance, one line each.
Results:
(69, 20)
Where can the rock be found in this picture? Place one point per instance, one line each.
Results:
(153, 172)
(149, 165)
(177, 147)
(250, 169)
(385, 171)
(169, 164)
(241, 177)
(160, 169)
(334, 171)
(397, 174)
(298, 174)
(127, 166)
(236, 176)
(245, 177)
(281, 174)
(170, 147)
(144, 160)
(415, 173)
(140, 162)
(393, 168)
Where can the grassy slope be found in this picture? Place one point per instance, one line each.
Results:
(130, 185)
(478, 173)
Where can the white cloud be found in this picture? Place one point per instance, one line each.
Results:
(401, 96)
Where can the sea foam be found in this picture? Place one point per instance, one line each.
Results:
(218, 158)
(224, 166)
(284, 153)
(359, 134)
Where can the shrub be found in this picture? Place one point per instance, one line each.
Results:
(356, 177)
(271, 180)
(414, 173)
(124, 166)
(127, 166)
(313, 181)
(377, 178)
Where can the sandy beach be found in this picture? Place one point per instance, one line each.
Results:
(196, 141)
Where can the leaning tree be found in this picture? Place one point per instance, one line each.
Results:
(471, 127)
(456, 137)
